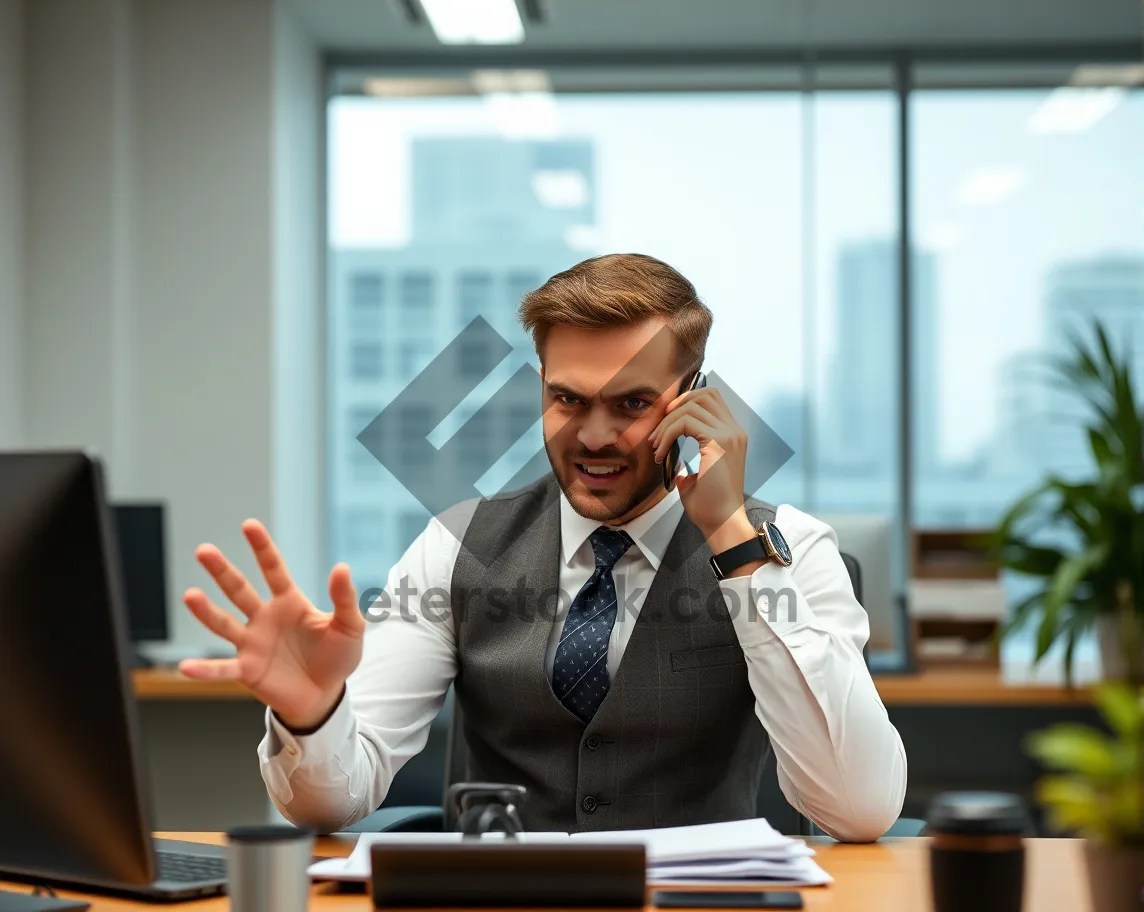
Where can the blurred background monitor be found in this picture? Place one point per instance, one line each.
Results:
(870, 538)
(143, 558)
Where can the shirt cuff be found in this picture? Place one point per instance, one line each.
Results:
(766, 605)
(292, 751)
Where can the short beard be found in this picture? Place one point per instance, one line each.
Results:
(601, 513)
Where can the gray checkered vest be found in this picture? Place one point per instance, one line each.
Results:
(676, 740)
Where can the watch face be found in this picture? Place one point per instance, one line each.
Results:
(782, 549)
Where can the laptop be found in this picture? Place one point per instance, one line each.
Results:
(74, 804)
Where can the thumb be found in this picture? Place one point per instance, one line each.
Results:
(344, 597)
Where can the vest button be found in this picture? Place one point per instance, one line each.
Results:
(593, 742)
(589, 804)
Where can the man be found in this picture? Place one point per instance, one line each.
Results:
(599, 657)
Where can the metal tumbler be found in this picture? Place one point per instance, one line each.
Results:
(266, 868)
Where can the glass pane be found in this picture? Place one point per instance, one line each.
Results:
(1027, 205)
(443, 209)
(853, 457)
(1030, 224)
(779, 206)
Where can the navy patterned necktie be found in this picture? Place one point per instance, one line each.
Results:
(580, 669)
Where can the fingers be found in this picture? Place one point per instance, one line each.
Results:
(269, 559)
(211, 616)
(342, 593)
(691, 420)
(210, 669)
(234, 585)
(709, 398)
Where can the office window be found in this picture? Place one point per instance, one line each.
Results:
(417, 293)
(805, 299)
(417, 421)
(476, 360)
(366, 294)
(414, 357)
(365, 361)
(360, 462)
(474, 295)
(366, 291)
(1030, 213)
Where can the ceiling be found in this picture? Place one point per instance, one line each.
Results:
(710, 25)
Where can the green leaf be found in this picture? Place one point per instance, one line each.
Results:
(1070, 648)
(1032, 560)
(1122, 707)
(1073, 804)
(1062, 590)
(1021, 612)
(1101, 449)
(1074, 748)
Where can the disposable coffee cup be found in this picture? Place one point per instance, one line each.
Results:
(266, 868)
(977, 851)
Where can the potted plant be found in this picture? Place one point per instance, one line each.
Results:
(1098, 792)
(1097, 579)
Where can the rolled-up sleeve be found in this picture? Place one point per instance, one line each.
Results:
(335, 776)
(841, 761)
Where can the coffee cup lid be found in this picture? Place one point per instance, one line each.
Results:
(978, 813)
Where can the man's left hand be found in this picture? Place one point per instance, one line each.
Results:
(713, 497)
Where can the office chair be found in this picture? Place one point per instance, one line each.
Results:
(771, 803)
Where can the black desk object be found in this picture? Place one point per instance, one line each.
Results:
(508, 873)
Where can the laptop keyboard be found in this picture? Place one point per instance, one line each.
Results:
(174, 866)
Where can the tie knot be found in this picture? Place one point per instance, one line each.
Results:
(609, 546)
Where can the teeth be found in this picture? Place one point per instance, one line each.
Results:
(601, 470)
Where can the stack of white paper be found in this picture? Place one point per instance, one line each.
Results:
(747, 852)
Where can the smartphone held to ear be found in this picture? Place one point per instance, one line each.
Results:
(671, 461)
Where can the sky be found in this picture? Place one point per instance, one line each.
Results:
(717, 186)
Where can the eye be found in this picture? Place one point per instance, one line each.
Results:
(566, 399)
(636, 404)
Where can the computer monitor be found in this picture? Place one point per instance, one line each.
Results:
(140, 535)
(73, 795)
(870, 539)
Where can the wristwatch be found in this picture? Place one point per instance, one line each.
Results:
(767, 544)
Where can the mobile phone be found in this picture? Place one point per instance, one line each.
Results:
(727, 899)
(671, 461)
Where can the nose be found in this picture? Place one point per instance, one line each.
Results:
(598, 431)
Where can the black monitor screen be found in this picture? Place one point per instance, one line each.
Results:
(142, 555)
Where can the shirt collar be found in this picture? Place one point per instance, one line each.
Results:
(650, 536)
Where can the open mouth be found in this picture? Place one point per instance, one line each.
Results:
(599, 475)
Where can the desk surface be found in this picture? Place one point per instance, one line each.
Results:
(952, 687)
(867, 878)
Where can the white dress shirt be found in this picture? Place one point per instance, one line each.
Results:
(840, 760)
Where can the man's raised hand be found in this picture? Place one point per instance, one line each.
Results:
(292, 656)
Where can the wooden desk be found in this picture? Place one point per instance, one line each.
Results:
(954, 687)
(891, 875)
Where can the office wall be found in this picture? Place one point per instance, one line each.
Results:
(11, 221)
(298, 325)
(172, 265)
(76, 279)
(204, 278)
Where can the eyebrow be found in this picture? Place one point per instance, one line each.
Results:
(648, 392)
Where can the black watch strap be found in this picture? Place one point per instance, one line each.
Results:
(744, 553)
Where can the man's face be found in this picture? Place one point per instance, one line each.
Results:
(604, 392)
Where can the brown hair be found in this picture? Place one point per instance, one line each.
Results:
(620, 289)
